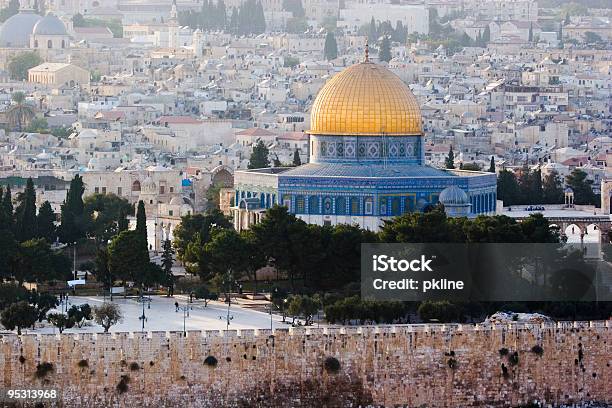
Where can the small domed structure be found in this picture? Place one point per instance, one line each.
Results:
(453, 195)
(455, 201)
(49, 25)
(149, 186)
(16, 30)
(49, 33)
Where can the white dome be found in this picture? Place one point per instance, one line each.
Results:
(148, 185)
(453, 196)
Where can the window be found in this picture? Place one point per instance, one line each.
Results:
(103, 190)
(354, 206)
(382, 206)
(170, 213)
(340, 206)
(119, 191)
(327, 205)
(300, 205)
(49, 44)
(313, 205)
(368, 206)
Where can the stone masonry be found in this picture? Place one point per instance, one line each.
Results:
(407, 365)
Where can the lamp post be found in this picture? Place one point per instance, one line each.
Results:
(143, 317)
(185, 310)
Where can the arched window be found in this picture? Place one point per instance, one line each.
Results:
(300, 205)
(313, 205)
(63, 43)
(49, 44)
(327, 206)
(354, 206)
(340, 205)
(136, 186)
(395, 206)
(382, 206)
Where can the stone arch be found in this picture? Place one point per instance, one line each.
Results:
(136, 185)
(222, 176)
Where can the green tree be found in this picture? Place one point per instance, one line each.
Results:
(73, 225)
(19, 65)
(60, 320)
(128, 257)
(107, 315)
(43, 303)
(278, 297)
(226, 256)
(372, 31)
(297, 161)
(259, 156)
(26, 213)
(7, 208)
(38, 125)
(166, 262)
(507, 188)
(105, 215)
(38, 263)
(45, 222)
(471, 166)
(141, 219)
(492, 165)
(582, 187)
(330, 51)
(194, 232)
(18, 315)
(19, 114)
(9, 11)
(439, 311)
(384, 54)
(552, 189)
(80, 314)
(101, 269)
(450, 159)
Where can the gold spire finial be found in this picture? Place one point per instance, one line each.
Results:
(367, 51)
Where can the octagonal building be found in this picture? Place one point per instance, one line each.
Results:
(366, 161)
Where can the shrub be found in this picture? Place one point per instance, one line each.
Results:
(505, 373)
(537, 349)
(43, 369)
(332, 365)
(513, 359)
(134, 366)
(210, 361)
(83, 363)
(503, 351)
(122, 386)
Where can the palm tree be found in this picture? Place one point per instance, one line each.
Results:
(20, 113)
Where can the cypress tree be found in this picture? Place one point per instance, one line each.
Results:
(72, 219)
(450, 159)
(297, 161)
(26, 213)
(45, 222)
(259, 157)
(492, 165)
(122, 222)
(331, 47)
(385, 49)
(141, 219)
(7, 207)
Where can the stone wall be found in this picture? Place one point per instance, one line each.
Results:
(414, 365)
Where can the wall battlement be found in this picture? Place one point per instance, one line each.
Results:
(436, 365)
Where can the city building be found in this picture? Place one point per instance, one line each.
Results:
(366, 161)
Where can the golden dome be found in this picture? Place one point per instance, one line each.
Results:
(365, 99)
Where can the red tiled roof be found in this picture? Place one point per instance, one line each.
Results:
(293, 136)
(255, 132)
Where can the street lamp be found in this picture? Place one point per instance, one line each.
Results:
(185, 310)
(143, 317)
